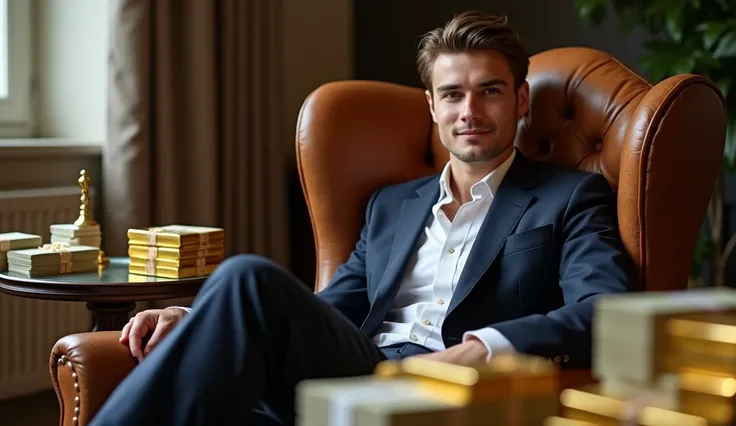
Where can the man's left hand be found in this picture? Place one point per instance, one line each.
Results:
(471, 352)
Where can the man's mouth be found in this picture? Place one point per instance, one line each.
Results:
(471, 132)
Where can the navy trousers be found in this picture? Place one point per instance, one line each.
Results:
(254, 332)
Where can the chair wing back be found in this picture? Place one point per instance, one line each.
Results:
(660, 147)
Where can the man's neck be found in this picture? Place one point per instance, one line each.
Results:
(464, 175)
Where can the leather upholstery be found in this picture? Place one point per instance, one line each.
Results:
(99, 362)
(659, 146)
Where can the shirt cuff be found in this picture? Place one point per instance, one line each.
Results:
(496, 343)
(183, 308)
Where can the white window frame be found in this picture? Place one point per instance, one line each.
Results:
(16, 111)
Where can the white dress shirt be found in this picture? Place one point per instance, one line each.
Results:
(432, 273)
(434, 269)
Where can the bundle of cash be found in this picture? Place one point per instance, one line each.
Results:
(15, 241)
(661, 358)
(53, 259)
(74, 235)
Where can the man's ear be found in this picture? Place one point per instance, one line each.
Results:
(522, 101)
(430, 101)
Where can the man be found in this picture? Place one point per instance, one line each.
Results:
(495, 254)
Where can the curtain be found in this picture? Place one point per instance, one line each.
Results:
(194, 122)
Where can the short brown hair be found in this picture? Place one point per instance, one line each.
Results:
(469, 31)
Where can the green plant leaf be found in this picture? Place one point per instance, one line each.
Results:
(729, 151)
(675, 21)
(726, 46)
(724, 84)
(724, 4)
(707, 59)
(703, 254)
(591, 11)
(664, 59)
(711, 32)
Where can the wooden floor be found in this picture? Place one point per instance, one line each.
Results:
(41, 409)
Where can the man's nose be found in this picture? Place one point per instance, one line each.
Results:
(471, 109)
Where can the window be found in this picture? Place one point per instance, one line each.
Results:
(15, 68)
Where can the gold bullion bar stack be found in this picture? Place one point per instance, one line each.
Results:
(661, 358)
(175, 251)
(511, 390)
(16, 241)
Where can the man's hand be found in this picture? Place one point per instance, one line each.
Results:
(472, 352)
(155, 323)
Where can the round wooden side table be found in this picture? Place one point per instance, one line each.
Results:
(110, 293)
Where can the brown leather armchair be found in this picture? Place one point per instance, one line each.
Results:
(659, 146)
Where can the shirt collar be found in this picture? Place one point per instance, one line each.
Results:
(488, 185)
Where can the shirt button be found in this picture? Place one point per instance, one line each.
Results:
(427, 322)
(440, 302)
(414, 337)
(451, 250)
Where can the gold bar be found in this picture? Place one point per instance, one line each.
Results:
(517, 376)
(160, 271)
(191, 262)
(176, 236)
(186, 252)
(590, 405)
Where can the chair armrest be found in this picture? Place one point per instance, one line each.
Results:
(85, 368)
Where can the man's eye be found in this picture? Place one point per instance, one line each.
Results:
(491, 90)
(451, 95)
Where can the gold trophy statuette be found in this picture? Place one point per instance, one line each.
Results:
(84, 219)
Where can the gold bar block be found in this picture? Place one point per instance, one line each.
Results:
(175, 236)
(710, 396)
(191, 262)
(631, 329)
(514, 374)
(161, 271)
(561, 421)
(186, 252)
(518, 390)
(702, 342)
(590, 405)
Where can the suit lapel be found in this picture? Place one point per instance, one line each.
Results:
(410, 223)
(509, 204)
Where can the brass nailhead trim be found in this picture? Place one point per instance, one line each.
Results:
(63, 360)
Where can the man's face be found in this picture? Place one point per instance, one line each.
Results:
(475, 105)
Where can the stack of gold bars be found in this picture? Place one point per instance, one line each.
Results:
(16, 241)
(175, 251)
(662, 359)
(513, 390)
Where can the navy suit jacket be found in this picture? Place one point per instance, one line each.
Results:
(547, 247)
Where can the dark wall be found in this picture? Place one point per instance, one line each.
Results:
(387, 32)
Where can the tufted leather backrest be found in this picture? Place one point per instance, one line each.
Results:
(659, 146)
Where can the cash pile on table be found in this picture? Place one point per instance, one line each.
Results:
(53, 259)
(512, 390)
(74, 235)
(661, 358)
(15, 241)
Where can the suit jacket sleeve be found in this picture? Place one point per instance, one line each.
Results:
(348, 291)
(593, 261)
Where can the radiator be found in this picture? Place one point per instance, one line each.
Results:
(28, 327)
